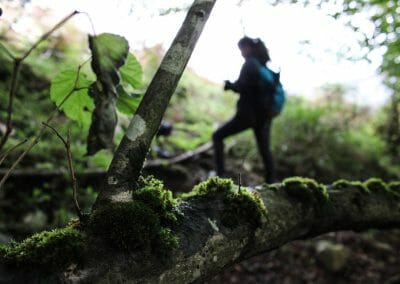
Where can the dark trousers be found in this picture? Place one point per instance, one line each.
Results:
(240, 122)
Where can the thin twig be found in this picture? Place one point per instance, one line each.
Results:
(239, 182)
(67, 145)
(39, 135)
(13, 88)
(58, 134)
(6, 153)
(7, 51)
(46, 35)
(16, 70)
(90, 21)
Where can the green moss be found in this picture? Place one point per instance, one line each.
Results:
(242, 206)
(394, 186)
(274, 186)
(376, 185)
(49, 250)
(152, 193)
(130, 225)
(306, 189)
(165, 241)
(344, 184)
(209, 188)
(143, 224)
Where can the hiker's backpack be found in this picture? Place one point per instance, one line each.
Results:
(272, 90)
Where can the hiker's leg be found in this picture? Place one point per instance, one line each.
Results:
(233, 126)
(262, 133)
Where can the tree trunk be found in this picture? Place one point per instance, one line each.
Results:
(128, 160)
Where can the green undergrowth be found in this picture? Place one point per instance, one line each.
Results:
(51, 250)
(241, 205)
(145, 223)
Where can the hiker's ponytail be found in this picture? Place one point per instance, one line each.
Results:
(259, 50)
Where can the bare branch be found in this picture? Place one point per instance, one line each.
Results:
(56, 133)
(47, 34)
(13, 88)
(67, 145)
(6, 153)
(180, 158)
(41, 131)
(2, 46)
(16, 70)
(90, 21)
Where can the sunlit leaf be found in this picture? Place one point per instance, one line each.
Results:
(79, 105)
(109, 52)
(127, 104)
(131, 72)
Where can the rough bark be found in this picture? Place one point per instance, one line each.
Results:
(131, 153)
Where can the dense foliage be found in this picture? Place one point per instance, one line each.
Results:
(383, 35)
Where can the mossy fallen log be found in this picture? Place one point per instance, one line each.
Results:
(196, 236)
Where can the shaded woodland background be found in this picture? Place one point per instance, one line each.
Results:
(325, 138)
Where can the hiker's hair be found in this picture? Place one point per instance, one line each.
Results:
(258, 48)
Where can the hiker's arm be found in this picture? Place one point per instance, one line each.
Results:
(248, 78)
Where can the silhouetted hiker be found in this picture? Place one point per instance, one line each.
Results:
(252, 110)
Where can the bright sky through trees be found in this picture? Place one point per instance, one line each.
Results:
(309, 47)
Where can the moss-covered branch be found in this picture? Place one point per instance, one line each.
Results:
(131, 153)
(156, 239)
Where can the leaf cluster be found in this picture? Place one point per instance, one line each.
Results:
(94, 101)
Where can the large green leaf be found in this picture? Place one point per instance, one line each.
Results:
(80, 105)
(109, 53)
(132, 72)
(127, 103)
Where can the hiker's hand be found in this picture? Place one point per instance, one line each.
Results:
(228, 85)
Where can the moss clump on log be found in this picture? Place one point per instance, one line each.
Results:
(344, 184)
(51, 250)
(142, 224)
(306, 189)
(377, 185)
(153, 193)
(394, 186)
(242, 206)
